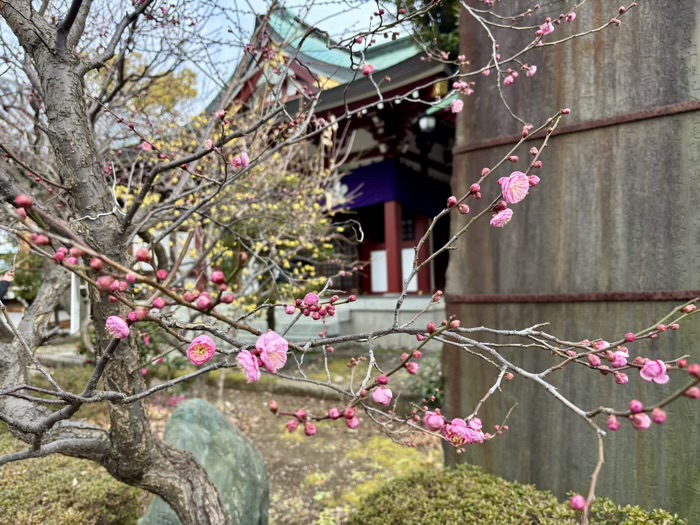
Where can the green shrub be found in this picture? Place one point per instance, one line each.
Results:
(58, 490)
(467, 495)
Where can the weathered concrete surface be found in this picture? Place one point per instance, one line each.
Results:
(617, 211)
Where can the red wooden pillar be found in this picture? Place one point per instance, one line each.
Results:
(392, 238)
(422, 224)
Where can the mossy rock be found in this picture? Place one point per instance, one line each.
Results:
(59, 490)
(467, 495)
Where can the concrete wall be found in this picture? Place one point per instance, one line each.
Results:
(617, 211)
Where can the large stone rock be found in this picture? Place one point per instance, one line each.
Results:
(230, 459)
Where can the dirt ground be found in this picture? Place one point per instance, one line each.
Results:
(317, 480)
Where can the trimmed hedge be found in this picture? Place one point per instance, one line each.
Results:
(467, 495)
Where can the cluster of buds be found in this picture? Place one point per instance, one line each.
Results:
(311, 306)
(412, 367)
(301, 417)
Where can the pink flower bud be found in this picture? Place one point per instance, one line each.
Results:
(675, 326)
(463, 209)
(594, 360)
(24, 201)
(578, 502)
(367, 69)
(190, 296)
(434, 421)
(694, 370)
(21, 214)
(352, 423)
(311, 299)
(640, 421)
(131, 317)
(451, 201)
(158, 303)
(693, 392)
(475, 188)
(104, 282)
(383, 380)
(658, 416)
(162, 275)
(227, 298)
(292, 425)
(290, 309)
(334, 413)
(630, 337)
(117, 327)
(352, 299)
(144, 372)
(412, 367)
(218, 277)
(59, 256)
(533, 180)
(143, 255)
(273, 406)
(621, 379)
(43, 240)
(204, 302)
(431, 327)
(382, 396)
(310, 429)
(350, 413)
(96, 264)
(131, 277)
(508, 81)
(689, 309)
(636, 406)
(416, 354)
(613, 423)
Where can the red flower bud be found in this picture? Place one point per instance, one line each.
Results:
(23, 201)
(218, 277)
(143, 255)
(96, 264)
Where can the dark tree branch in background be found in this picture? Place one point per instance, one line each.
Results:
(67, 23)
(127, 20)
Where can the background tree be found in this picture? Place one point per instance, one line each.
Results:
(90, 170)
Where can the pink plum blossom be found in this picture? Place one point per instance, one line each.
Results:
(531, 71)
(515, 187)
(367, 69)
(547, 28)
(570, 17)
(459, 433)
(382, 395)
(117, 327)
(502, 218)
(457, 106)
(654, 371)
(201, 350)
(249, 363)
(273, 350)
(434, 421)
(245, 160)
(508, 80)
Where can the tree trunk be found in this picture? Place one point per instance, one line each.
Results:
(133, 456)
